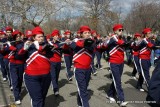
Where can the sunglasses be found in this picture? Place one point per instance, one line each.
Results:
(120, 30)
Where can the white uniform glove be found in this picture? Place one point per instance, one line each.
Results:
(75, 40)
(36, 44)
(8, 43)
(27, 45)
(68, 41)
(50, 43)
(137, 42)
(107, 40)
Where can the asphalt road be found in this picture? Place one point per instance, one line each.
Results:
(68, 91)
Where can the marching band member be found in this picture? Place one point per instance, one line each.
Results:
(9, 31)
(99, 53)
(68, 55)
(28, 35)
(83, 49)
(94, 37)
(55, 61)
(48, 38)
(16, 64)
(135, 53)
(37, 71)
(144, 58)
(116, 62)
(3, 69)
(128, 50)
(78, 35)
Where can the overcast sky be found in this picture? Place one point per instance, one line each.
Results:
(124, 4)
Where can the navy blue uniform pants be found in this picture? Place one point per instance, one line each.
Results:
(82, 77)
(137, 67)
(144, 75)
(68, 62)
(55, 70)
(116, 87)
(37, 87)
(6, 62)
(129, 56)
(99, 56)
(92, 64)
(4, 72)
(16, 71)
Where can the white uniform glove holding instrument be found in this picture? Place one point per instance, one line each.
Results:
(8, 43)
(36, 44)
(27, 44)
(68, 41)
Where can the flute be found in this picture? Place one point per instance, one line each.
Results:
(64, 42)
(1, 43)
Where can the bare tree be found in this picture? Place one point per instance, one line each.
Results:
(31, 11)
(108, 20)
(94, 10)
(143, 14)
